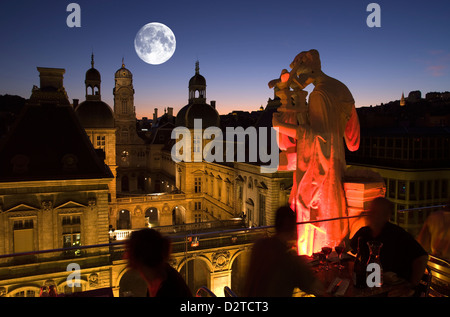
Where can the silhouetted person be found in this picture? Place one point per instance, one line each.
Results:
(148, 252)
(275, 269)
(400, 252)
(52, 291)
(435, 233)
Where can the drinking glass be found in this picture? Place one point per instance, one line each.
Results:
(339, 250)
(326, 250)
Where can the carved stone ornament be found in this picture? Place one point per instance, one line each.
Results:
(93, 280)
(46, 205)
(220, 259)
(92, 201)
(2, 291)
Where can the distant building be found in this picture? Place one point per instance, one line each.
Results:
(402, 100)
(410, 148)
(414, 96)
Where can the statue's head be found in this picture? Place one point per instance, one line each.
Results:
(307, 66)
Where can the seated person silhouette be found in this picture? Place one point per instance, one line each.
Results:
(275, 269)
(400, 252)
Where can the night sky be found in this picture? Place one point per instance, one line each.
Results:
(241, 45)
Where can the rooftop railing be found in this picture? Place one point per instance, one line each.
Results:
(194, 237)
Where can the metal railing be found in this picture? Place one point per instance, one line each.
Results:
(204, 292)
(122, 234)
(187, 241)
(228, 292)
(182, 242)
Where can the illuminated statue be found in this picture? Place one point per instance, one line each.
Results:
(311, 139)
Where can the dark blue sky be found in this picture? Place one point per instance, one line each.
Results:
(241, 45)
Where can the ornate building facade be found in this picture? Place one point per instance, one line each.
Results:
(53, 195)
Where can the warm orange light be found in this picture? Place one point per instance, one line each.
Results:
(284, 77)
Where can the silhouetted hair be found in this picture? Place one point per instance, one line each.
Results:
(147, 247)
(285, 220)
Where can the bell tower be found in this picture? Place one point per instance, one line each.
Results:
(93, 81)
(197, 87)
(123, 92)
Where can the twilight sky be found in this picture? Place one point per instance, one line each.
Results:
(241, 46)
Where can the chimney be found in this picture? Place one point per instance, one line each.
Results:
(170, 112)
(155, 115)
(213, 104)
(51, 77)
(75, 103)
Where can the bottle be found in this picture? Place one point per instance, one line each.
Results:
(374, 257)
(359, 269)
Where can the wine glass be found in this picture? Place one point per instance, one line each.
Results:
(322, 260)
(326, 250)
(339, 250)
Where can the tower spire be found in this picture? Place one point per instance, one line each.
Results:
(197, 67)
(123, 63)
(92, 59)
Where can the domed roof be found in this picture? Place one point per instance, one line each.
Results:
(95, 114)
(187, 114)
(123, 72)
(197, 80)
(93, 75)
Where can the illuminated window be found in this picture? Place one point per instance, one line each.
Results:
(401, 189)
(124, 156)
(71, 233)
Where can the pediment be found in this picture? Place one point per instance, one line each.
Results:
(70, 204)
(22, 207)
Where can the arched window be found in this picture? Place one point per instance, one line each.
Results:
(151, 217)
(123, 221)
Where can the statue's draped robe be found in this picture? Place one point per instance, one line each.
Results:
(318, 190)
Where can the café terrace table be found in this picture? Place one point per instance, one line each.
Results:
(328, 278)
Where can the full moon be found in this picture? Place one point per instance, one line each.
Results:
(155, 43)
